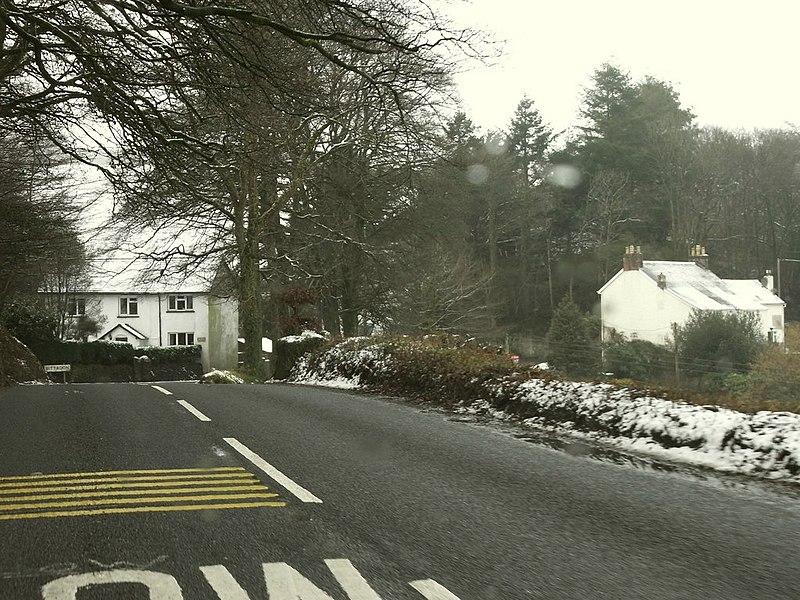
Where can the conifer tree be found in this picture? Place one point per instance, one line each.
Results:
(570, 346)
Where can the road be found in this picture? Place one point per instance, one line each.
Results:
(185, 491)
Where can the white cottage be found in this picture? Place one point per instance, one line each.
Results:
(646, 297)
(163, 314)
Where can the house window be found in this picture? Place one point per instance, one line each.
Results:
(180, 302)
(76, 307)
(121, 338)
(129, 306)
(181, 339)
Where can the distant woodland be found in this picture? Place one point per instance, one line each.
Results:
(319, 147)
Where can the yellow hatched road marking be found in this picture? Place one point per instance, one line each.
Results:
(115, 486)
(121, 479)
(132, 491)
(111, 501)
(128, 472)
(145, 492)
(138, 509)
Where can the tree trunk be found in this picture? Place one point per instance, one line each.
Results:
(250, 301)
(349, 303)
(330, 315)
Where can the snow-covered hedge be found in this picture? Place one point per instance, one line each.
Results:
(289, 349)
(766, 443)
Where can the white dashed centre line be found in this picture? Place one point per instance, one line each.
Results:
(162, 390)
(193, 410)
(295, 489)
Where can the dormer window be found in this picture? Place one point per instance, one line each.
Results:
(180, 303)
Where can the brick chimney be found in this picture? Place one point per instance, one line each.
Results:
(697, 254)
(632, 260)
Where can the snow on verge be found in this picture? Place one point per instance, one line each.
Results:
(765, 444)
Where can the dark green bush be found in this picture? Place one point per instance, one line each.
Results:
(571, 347)
(289, 350)
(637, 359)
(29, 324)
(113, 353)
(84, 353)
(98, 373)
(714, 342)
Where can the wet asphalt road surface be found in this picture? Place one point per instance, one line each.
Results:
(297, 493)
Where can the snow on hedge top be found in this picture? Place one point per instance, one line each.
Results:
(217, 376)
(294, 339)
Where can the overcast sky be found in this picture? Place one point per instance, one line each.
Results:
(734, 63)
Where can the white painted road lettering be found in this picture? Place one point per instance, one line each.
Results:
(160, 585)
(432, 590)
(223, 583)
(351, 580)
(283, 582)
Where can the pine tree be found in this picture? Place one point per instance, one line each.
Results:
(570, 346)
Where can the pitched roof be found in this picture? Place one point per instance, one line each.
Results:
(702, 289)
(127, 328)
(127, 275)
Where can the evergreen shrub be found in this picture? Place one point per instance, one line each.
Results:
(774, 381)
(639, 360)
(288, 351)
(160, 355)
(571, 347)
(113, 353)
(715, 342)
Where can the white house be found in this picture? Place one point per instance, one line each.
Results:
(646, 297)
(163, 314)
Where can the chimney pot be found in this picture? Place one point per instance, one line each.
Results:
(632, 260)
(697, 254)
(768, 281)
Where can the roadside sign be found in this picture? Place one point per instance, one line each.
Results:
(63, 369)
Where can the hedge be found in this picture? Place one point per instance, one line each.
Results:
(113, 353)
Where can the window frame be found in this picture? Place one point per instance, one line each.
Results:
(76, 307)
(129, 302)
(174, 338)
(180, 303)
